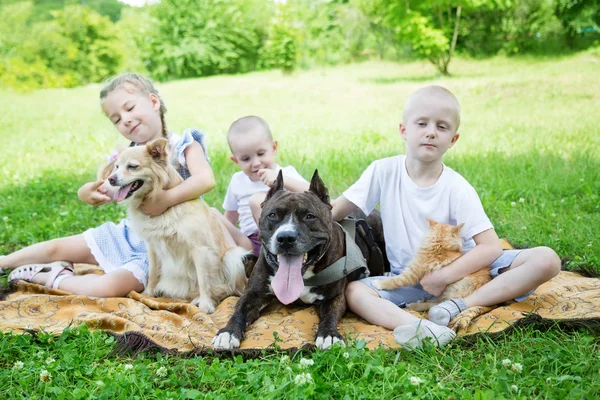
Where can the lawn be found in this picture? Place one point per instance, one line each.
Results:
(529, 140)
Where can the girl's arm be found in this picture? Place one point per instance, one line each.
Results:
(487, 249)
(201, 181)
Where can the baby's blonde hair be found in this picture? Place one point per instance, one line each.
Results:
(247, 124)
(142, 84)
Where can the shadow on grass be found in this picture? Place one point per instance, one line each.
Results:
(532, 200)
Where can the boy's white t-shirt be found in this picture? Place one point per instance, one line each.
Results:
(404, 207)
(241, 188)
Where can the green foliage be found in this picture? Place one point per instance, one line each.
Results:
(280, 47)
(198, 38)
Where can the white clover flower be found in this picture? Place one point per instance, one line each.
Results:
(589, 244)
(512, 203)
(5, 218)
(521, 200)
(562, 200)
(416, 381)
(45, 376)
(303, 378)
(506, 363)
(523, 227)
(346, 355)
(162, 372)
(518, 368)
(514, 388)
(18, 365)
(548, 380)
(284, 359)
(127, 367)
(50, 360)
(553, 215)
(305, 362)
(100, 383)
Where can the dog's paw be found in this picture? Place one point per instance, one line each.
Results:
(324, 343)
(205, 304)
(225, 341)
(150, 292)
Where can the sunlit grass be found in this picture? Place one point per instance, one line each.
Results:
(529, 141)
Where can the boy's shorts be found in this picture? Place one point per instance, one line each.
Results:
(412, 294)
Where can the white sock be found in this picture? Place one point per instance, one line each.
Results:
(443, 313)
(411, 336)
(58, 280)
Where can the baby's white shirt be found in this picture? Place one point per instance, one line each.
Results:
(241, 188)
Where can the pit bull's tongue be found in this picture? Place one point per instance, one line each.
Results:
(122, 193)
(288, 284)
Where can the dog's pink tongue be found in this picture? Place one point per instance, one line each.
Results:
(288, 284)
(122, 192)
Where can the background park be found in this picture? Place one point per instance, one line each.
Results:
(331, 78)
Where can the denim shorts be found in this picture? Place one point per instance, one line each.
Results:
(412, 294)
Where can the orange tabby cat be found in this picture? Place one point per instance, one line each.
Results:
(442, 245)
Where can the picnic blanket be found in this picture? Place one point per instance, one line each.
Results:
(141, 322)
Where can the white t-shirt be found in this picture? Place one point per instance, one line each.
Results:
(405, 207)
(241, 188)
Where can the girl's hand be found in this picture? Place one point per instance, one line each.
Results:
(94, 193)
(267, 176)
(434, 283)
(158, 205)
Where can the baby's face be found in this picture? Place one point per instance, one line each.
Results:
(253, 152)
(430, 127)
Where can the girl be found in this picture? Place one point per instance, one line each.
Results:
(134, 106)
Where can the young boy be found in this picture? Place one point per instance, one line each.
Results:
(253, 149)
(417, 185)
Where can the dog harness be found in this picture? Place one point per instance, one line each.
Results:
(352, 261)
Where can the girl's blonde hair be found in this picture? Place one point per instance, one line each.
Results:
(142, 84)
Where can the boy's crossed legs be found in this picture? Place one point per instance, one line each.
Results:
(515, 278)
(409, 331)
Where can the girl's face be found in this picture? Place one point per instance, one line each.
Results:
(135, 114)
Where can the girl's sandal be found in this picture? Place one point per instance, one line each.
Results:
(55, 269)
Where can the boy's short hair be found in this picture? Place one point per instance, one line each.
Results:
(432, 90)
(250, 123)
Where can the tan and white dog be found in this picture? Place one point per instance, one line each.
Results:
(189, 256)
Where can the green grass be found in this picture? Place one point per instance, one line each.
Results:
(529, 141)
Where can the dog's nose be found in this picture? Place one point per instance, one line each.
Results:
(287, 239)
(112, 180)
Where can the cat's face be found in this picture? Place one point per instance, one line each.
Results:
(445, 235)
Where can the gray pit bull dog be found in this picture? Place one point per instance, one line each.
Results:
(300, 241)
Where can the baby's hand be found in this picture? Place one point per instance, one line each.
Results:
(267, 176)
(158, 205)
(434, 283)
(94, 193)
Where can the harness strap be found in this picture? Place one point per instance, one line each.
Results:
(353, 260)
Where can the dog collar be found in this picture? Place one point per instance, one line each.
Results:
(352, 261)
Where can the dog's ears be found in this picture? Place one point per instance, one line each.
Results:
(157, 149)
(276, 186)
(318, 187)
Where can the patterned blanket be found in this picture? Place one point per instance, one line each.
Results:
(141, 322)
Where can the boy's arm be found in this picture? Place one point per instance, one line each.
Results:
(487, 249)
(341, 208)
(201, 181)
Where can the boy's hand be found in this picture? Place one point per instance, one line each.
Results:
(267, 176)
(434, 283)
(158, 205)
(94, 193)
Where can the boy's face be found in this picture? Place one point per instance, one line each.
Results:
(429, 128)
(136, 115)
(253, 151)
